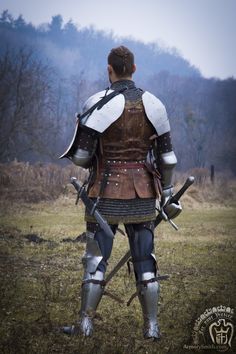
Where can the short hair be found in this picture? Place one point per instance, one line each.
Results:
(122, 61)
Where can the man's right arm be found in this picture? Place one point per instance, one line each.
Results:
(83, 146)
(165, 159)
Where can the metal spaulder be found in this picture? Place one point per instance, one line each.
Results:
(100, 119)
(156, 113)
(67, 153)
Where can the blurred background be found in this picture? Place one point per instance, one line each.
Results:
(53, 56)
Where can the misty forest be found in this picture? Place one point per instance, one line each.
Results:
(46, 74)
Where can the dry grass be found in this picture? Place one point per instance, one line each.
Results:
(32, 183)
(40, 282)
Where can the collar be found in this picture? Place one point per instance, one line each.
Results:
(117, 85)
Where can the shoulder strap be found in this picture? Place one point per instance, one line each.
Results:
(100, 104)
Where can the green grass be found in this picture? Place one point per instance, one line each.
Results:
(40, 283)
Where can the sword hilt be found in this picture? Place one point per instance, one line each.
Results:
(189, 181)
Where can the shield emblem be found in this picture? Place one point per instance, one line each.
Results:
(221, 332)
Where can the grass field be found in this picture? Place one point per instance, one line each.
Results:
(40, 281)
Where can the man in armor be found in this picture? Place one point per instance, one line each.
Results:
(126, 144)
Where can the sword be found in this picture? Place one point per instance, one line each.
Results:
(174, 199)
(189, 181)
(91, 207)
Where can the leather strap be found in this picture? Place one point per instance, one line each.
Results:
(100, 104)
(94, 281)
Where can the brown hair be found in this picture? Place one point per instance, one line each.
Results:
(122, 61)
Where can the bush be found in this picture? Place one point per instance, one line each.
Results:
(33, 183)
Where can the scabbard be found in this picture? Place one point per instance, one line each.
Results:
(90, 205)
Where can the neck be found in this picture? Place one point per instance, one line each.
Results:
(120, 79)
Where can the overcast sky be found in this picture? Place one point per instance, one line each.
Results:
(202, 30)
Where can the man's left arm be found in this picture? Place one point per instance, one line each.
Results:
(165, 161)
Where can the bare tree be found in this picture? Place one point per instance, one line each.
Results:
(26, 104)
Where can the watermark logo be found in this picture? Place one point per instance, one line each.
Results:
(213, 329)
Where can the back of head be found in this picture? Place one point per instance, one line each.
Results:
(122, 61)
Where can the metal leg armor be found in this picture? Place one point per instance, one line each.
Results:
(98, 251)
(148, 294)
(141, 247)
(94, 262)
(92, 291)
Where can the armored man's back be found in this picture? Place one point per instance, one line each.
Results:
(123, 150)
(123, 137)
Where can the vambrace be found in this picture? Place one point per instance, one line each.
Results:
(165, 158)
(168, 161)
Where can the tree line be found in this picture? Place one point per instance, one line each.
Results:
(46, 73)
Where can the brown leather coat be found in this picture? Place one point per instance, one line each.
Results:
(123, 150)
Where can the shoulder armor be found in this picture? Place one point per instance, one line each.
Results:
(156, 113)
(82, 147)
(101, 119)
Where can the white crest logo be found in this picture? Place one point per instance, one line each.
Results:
(221, 332)
(213, 329)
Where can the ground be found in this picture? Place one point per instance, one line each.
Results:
(41, 276)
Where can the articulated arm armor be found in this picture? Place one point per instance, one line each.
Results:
(166, 160)
(82, 147)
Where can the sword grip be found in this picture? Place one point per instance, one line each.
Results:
(75, 183)
(189, 181)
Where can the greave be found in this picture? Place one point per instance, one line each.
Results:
(148, 293)
(92, 291)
